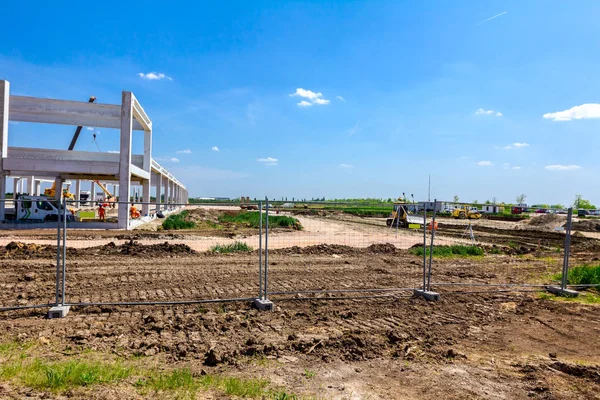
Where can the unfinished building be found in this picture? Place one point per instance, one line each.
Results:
(124, 168)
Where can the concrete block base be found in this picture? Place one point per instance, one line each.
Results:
(263, 305)
(58, 312)
(557, 290)
(429, 296)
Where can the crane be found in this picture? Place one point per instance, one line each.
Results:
(109, 198)
(51, 192)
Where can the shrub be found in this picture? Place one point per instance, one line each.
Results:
(449, 251)
(582, 275)
(252, 219)
(231, 248)
(178, 221)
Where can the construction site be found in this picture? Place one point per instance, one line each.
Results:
(133, 177)
(188, 294)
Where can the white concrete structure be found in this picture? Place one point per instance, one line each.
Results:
(123, 167)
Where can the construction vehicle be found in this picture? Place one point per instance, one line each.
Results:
(464, 212)
(245, 204)
(37, 208)
(402, 217)
(84, 196)
(52, 191)
(109, 199)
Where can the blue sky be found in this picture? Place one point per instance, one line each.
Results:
(387, 92)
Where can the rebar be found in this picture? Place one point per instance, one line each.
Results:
(64, 260)
(565, 271)
(424, 248)
(266, 247)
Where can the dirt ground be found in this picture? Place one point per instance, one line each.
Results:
(477, 342)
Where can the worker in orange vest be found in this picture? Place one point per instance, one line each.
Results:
(133, 212)
(433, 226)
(101, 212)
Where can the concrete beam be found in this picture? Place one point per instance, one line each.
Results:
(140, 115)
(139, 172)
(50, 167)
(66, 112)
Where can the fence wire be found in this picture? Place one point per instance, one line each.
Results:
(64, 253)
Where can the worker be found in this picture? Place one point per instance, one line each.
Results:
(133, 212)
(433, 225)
(101, 212)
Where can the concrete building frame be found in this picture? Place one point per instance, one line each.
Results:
(123, 167)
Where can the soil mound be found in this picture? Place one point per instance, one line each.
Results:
(27, 250)
(134, 248)
(318, 249)
(547, 221)
(382, 248)
(586, 226)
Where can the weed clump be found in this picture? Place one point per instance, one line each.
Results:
(235, 247)
(178, 221)
(450, 251)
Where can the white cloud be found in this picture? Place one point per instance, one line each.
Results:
(114, 151)
(346, 166)
(354, 130)
(168, 159)
(154, 76)
(484, 163)
(516, 168)
(313, 97)
(340, 98)
(270, 161)
(186, 151)
(559, 167)
(214, 148)
(481, 111)
(89, 128)
(584, 111)
(516, 145)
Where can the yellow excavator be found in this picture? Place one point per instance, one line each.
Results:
(465, 212)
(65, 192)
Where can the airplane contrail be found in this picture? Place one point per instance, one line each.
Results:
(491, 18)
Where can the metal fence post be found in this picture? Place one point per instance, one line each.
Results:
(424, 249)
(60, 310)
(263, 302)
(562, 290)
(260, 229)
(431, 244)
(58, 251)
(64, 260)
(565, 271)
(267, 248)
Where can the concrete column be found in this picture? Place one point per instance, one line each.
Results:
(157, 179)
(15, 187)
(167, 189)
(31, 185)
(58, 189)
(4, 100)
(125, 158)
(146, 197)
(78, 191)
(38, 188)
(93, 193)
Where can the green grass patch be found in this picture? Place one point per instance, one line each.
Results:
(178, 221)
(589, 297)
(61, 376)
(252, 220)
(450, 251)
(231, 248)
(582, 275)
(18, 366)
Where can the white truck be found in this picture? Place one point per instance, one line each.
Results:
(37, 208)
